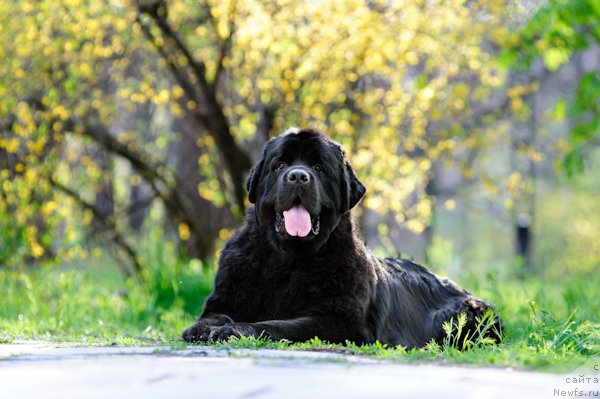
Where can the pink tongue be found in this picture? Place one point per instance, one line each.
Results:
(297, 221)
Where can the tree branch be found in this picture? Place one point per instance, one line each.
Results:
(180, 75)
(158, 12)
(167, 191)
(148, 170)
(209, 113)
(225, 46)
(108, 223)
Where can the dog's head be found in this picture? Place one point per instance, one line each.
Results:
(301, 188)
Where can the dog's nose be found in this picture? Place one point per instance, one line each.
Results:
(298, 176)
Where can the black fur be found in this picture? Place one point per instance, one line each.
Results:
(326, 284)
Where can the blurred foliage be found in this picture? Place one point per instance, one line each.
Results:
(567, 237)
(568, 226)
(555, 34)
(399, 84)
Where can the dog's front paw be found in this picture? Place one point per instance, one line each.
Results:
(204, 328)
(199, 332)
(236, 330)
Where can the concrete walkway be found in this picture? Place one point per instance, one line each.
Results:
(42, 370)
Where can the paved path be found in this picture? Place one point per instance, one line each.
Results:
(41, 370)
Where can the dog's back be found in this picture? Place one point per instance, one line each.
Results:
(411, 304)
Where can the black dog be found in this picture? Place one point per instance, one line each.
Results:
(298, 268)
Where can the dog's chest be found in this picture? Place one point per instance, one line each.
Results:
(287, 292)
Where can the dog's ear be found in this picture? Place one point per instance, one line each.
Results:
(352, 189)
(253, 180)
(256, 173)
(355, 188)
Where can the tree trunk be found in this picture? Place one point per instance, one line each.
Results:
(204, 219)
(104, 201)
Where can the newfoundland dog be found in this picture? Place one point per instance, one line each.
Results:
(298, 268)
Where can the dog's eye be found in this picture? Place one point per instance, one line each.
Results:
(319, 168)
(280, 166)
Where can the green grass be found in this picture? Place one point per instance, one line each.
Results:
(550, 325)
(97, 305)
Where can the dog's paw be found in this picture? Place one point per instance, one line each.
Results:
(199, 332)
(204, 328)
(236, 330)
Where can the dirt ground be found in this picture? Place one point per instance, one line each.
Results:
(45, 370)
